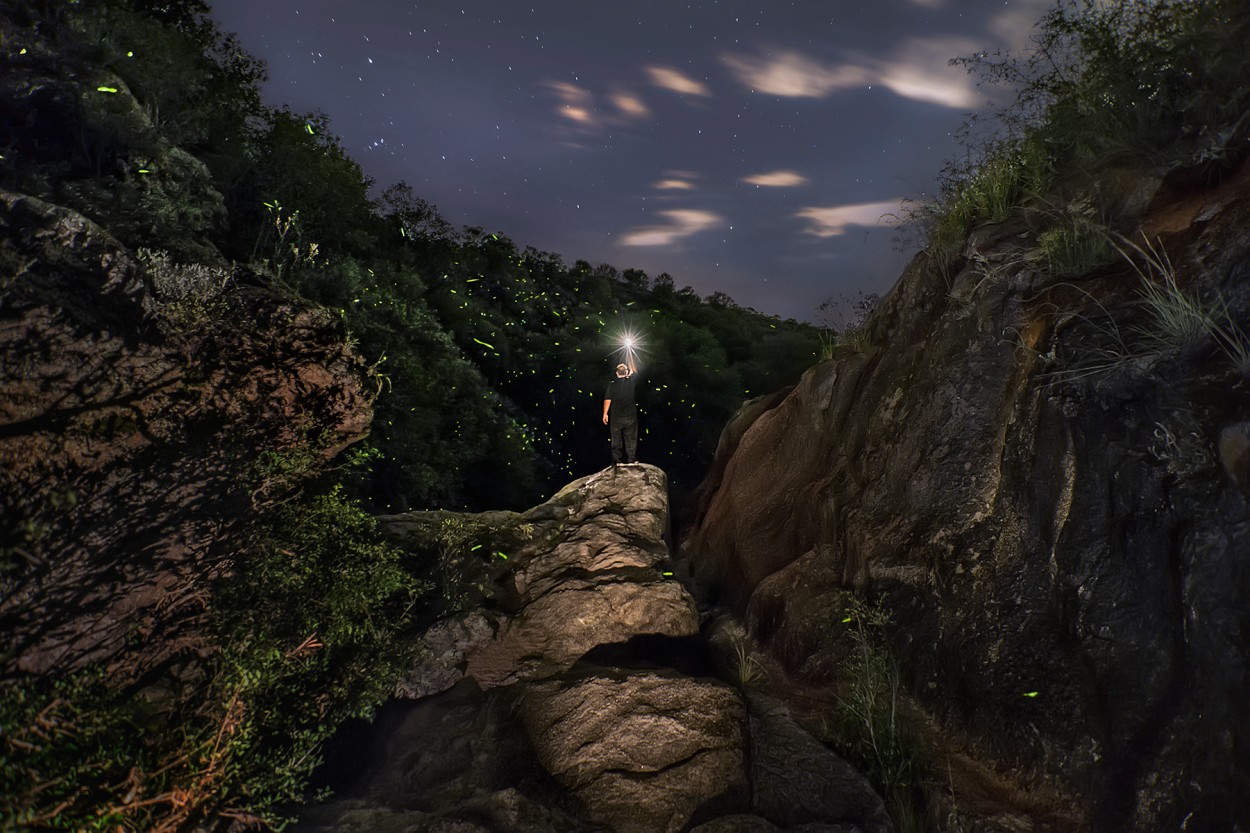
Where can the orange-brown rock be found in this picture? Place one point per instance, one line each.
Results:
(129, 437)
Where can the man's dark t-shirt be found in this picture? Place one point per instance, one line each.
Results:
(621, 394)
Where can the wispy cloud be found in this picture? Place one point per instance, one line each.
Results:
(629, 104)
(794, 75)
(676, 180)
(573, 102)
(917, 69)
(834, 220)
(584, 113)
(676, 81)
(777, 179)
(681, 223)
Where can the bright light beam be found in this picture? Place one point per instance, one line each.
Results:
(629, 346)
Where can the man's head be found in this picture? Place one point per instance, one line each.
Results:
(621, 371)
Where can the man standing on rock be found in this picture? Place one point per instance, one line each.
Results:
(620, 413)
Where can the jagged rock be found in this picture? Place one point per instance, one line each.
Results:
(552, 631)
(441, 752)
(444, 648)
(796, 780)
(737, 823)
(585, 581)
(585, 569)
(643, 751)
(126, 441)
(460, 760)
(1036, 487)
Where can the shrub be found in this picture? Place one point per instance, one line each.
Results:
(1182, 321)
(1119, 82)
(988, 190)
(1074, 246)
(307, 627)
(867, 723)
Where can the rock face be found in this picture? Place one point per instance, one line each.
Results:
(1050, 490)
(127, 424)
(642, 751)
(573, 691)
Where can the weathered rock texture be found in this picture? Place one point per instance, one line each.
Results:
(559, 694)
(1035, 480)
(128, 436)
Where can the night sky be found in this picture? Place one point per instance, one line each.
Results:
(750, 148)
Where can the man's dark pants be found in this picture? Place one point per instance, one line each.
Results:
(624, 440)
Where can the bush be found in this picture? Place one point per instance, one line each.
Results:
(988, 190)
(188, 295)
(868, 726)
(307, 628)
(1075, 245)
(1119, 82)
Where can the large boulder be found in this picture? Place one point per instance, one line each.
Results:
(587, 568)
(1031, 473)
(643, 751)
(558, 686)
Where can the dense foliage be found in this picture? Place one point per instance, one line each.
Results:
(1113, 84)
(306, 640)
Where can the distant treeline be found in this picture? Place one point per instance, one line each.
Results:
(490, 358)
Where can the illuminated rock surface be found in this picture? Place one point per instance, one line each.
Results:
(579, 696)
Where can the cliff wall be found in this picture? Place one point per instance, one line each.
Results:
(1049, 487)
(137, 398)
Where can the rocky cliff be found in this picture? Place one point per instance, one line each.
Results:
(1046, 481)
(146, 408)
(573, 693)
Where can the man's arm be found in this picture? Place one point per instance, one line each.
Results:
(607, 403)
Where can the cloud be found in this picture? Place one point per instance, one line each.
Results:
(629, 104)
(575, 103)
(777, 179)
(584, 113)
(682, 223)
(835, 220)
(931, 4)
(676, 81)
(917, 69)
(1015, 25)
(793, 75)
(675, 180)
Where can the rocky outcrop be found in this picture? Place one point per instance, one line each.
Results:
(642, 751)
(1049, 488)
(132, 413)
(576, 690)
